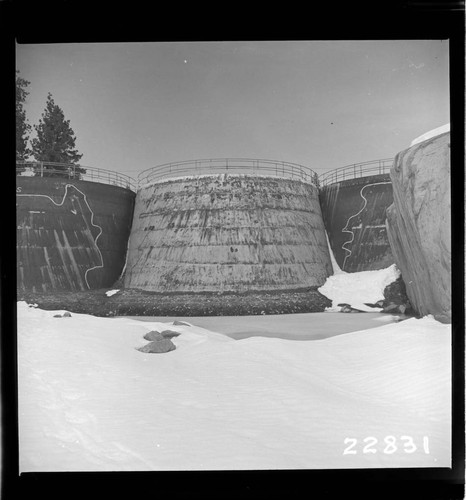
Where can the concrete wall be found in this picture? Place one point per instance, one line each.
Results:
(227, 233)
(354, 217)
(419, 224)
(71, 235)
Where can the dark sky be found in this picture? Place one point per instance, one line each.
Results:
(320, 104)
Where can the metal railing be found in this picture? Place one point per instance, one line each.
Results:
(365, 169)
(210, 166)
(75, 172)
(228, 165)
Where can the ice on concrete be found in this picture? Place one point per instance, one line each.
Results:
(335, 266)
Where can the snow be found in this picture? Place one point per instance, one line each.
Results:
(28, 172)
(358, 288)
(88, 400)
(335, 266)
(216, 176)
(432, 133)
(109, 293)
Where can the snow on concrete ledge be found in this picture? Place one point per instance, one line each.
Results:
(222, 177)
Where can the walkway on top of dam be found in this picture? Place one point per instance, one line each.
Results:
(209, 166)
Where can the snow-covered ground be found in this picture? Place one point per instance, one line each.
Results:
(88, 400)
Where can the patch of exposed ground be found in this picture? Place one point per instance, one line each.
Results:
(133, 302)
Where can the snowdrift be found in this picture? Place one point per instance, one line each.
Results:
(89, 401)
(357, 289)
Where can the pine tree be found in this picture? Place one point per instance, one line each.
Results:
(22, 126)
(55, 142)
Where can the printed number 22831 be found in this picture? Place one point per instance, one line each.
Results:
(389, 445)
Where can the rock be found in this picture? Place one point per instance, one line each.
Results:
(395, 292)
(343, 304)
(380, 303)
(158, 346)
(180, 323)
(390, 308)
(153, 335)
(57, 316)
(348, 309)
(419, 225)
(67, 315)
(397, 309)
(169, 334)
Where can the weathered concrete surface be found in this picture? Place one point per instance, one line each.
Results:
(71, 235)
(419, 224)
(354, 217)
(227, 233)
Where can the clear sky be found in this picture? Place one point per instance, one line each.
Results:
(321, 104)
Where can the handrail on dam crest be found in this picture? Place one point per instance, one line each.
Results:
(75, 172)
(364, 169)
(228, 165)
(192, 168)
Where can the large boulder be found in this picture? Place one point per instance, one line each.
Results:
(418, 224)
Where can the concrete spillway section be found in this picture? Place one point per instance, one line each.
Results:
(354, 213)
(71, 235)
(226, 232)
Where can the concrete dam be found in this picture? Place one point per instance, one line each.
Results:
(71, 234)
(354, 201)
(219, 225)
(227, 232)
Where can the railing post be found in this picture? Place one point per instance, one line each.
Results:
(42, 169)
